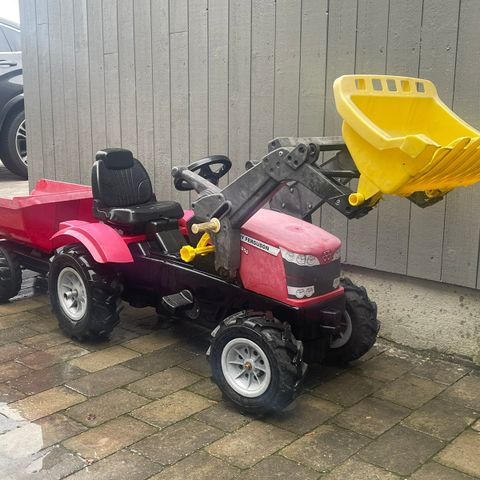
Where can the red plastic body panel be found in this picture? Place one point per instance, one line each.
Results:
(34, 219)
(182, 223)
(103, 242)
(290, 233)
(262, 269)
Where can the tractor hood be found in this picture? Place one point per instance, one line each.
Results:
(273, 230)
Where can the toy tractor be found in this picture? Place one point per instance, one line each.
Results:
(267, 281)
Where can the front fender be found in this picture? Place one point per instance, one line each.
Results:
(7, 108)
(103, 242)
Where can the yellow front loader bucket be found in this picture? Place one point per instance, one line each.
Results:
(403, 138)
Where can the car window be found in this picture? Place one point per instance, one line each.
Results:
(4, 45)
(13, 38)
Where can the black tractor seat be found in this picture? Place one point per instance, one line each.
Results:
(123, 195)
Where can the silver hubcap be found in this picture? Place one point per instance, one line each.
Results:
(246, 367)
(345, 335)
(72, 294)
(21, 142)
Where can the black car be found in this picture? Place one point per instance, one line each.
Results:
(13, 140)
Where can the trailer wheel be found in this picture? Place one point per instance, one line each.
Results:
(256, 362)
(84, 296)
(361, 326)
(10, 275)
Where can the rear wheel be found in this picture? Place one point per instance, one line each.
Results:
(360, 326)
(84, 296)
(256, 362)
(10, 275)
(13, 144)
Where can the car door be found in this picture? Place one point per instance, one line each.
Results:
(11, 84)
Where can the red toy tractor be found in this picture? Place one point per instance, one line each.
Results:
(267, 281)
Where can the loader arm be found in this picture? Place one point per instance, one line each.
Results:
(297, 200)
(293, 164)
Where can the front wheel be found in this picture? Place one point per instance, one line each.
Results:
(84, 296)
(256, 362)
(360, 326)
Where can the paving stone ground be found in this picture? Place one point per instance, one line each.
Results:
(142, 405)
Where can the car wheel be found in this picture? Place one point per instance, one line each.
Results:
(13, 144)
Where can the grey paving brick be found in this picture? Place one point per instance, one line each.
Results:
(371, 417)
(441, 419)
(410, 391)
(176, 442)
(401, 450)
(325, 448)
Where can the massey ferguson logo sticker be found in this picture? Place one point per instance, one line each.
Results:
(260, 245)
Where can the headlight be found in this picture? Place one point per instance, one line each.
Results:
(301, 292)
(299, 258)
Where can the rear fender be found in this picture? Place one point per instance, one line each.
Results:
(103, 242)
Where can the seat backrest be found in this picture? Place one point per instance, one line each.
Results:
(119, 180)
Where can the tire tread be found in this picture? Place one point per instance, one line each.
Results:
(10, 275)
(105, 291)
(286, 350)
(365, 328)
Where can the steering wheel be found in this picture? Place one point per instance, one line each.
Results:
(205, 168)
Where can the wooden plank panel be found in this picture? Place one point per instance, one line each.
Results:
(126, 67)
(72, 172)
(437, 63)
(97, 78)
(112, 81)
(198, 77)
(31, 89)
(56, 79)
(45, 89)
(372, 29)
(143, 82)
(239, 85)
(262, 76)
(218, 12)
(313, 56)
(313, 68)
(178, 16)
(462, 222)
(82, 69)
(287, 67)
(179, 118)
(161, 98)
(402, 59)
(342, 21)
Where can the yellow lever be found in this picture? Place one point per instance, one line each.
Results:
(212, 226)
(188, 253)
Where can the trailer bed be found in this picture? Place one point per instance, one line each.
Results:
(33, 219)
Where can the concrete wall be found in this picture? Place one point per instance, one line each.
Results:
(176, 80)
(423, 314)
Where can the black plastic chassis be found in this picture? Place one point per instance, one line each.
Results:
(154, 275)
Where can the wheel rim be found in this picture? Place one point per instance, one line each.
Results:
(72, 294)
(345, 335)
(21, 142)
(246, 367)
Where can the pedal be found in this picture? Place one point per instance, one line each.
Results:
(177, 301)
